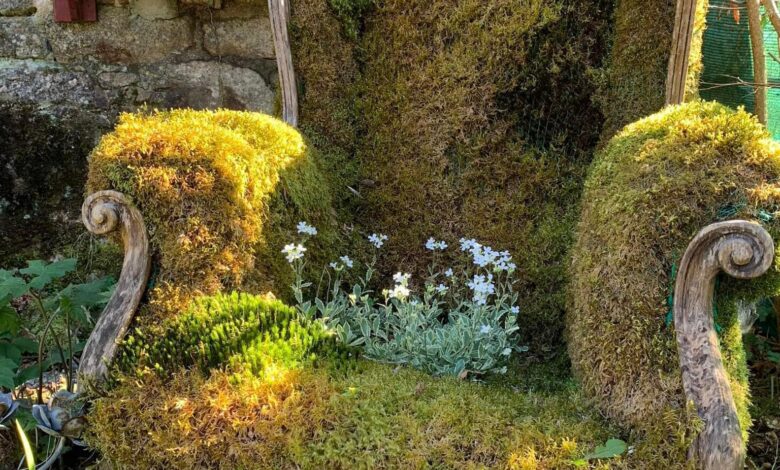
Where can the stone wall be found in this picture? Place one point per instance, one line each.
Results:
(153, 52)
(62, 86)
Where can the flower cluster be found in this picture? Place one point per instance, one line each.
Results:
(485, 256)
(401, 290)
(482, 286)
(377, 239)
(463, 322)
(434, 245)
(293, 251)
(306, 229)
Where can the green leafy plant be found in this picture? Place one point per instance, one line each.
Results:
(463, 321)
(611, 449)
(63, 317)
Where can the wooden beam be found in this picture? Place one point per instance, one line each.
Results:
(279, 11)
(682, 35)
(743, 250)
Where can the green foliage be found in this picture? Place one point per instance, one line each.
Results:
(246, 332)
(649, 191)
(40, 284)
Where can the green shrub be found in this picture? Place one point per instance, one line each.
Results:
(655, 185)
(219, 191)
(246, 332)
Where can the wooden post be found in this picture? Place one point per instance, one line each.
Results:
(279, 11)
(677, 74)
(104, 212)
(759, 59)
(743, 250)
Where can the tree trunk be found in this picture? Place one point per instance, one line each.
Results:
(759, 60)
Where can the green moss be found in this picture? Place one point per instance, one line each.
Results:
(655, 184)
(373, 417)
(220, 192)
(247, 332)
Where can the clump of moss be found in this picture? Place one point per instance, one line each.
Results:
(374, 417)
(220, 192)
(246, 332)
(649, 191)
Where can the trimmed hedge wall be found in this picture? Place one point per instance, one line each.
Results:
(649, 191)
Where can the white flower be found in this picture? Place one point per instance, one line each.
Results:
(515, 309)
(306, 229)
(377, 239)
(401, 278)
(441, 288)
(434, 245)
(485, 329)
(293, 252)
(400, 292)
(448, 272)
(334, 265)
(468, 244)
(506, 351)
(347, 261)
(482, 287)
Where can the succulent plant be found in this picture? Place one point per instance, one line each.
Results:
(62, 417)
(7, 406)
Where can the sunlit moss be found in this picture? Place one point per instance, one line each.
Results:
(220, 192)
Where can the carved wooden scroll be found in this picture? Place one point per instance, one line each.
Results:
(682, 35)
(104, 212)
(280, 15)
(743, 250)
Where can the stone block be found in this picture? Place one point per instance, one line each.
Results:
(121, 37)
(155, 9)
(22, 38)
(16, 7)
(251, 38)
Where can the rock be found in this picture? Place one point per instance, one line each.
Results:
(20, 38)
(250, 38)
(119, 37)
(117, 79)
(202, 85)
(237, 10)
(51, 84)
(17, 8)
(155, 9)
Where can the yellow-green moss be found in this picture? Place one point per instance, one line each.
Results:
(635, 78)
(220, 192)
(374, 417)
(649, 191)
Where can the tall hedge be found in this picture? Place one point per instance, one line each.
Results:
(649, 191)
(220, 192)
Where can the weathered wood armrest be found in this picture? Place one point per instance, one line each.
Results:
(104, 212)
(743, 250)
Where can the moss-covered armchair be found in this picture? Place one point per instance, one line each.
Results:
(653, 330)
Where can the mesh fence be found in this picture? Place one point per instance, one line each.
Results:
(728, 64)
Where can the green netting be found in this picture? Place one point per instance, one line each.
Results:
(727, 60)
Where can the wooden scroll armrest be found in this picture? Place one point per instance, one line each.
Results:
(104, 212)
(743, 250)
